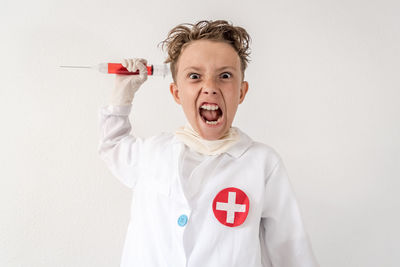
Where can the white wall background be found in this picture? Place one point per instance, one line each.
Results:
(324, 92)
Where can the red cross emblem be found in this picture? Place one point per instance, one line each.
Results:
(231, 206)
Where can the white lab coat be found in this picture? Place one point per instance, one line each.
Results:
(271, 235)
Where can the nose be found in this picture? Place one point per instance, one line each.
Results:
(210, 87)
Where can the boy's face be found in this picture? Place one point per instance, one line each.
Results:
(209, 75)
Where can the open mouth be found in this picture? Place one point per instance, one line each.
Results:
(210, 113)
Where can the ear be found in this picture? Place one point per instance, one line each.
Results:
(243, 91)
(173, 88)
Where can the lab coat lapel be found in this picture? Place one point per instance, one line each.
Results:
(202, 173)
(198, 177)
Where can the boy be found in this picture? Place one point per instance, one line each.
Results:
(206, 195)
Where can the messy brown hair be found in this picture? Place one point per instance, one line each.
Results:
(220, 30)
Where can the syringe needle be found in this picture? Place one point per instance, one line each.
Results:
(81, 67)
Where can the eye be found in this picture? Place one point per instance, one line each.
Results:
(194, 76)
(226, 75)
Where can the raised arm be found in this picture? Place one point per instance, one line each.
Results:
(117, 147)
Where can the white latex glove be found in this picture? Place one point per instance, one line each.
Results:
(127, 85)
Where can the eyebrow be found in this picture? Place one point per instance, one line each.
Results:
(197, 68)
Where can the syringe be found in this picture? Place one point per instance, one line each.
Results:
(117, 68)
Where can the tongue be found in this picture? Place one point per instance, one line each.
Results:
(210, 115)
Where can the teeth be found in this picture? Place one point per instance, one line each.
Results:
(210, 107)
(211, 122)
(214, 122)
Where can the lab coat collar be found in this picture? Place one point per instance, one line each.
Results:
(234, 151)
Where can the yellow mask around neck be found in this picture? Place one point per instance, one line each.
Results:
(208, 147)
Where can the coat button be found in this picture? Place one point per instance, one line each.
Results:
(182, 220)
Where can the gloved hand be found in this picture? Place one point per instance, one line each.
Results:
(127, 85)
